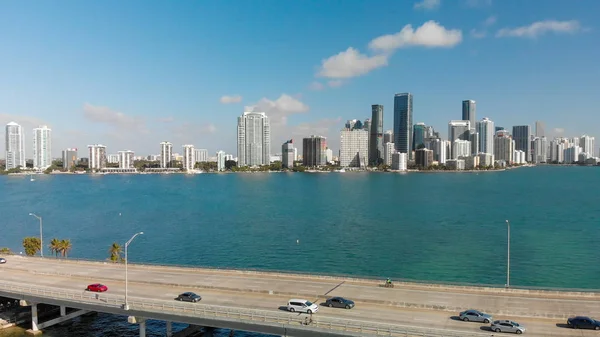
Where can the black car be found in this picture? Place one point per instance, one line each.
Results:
(189, 297)
(582, 322)
(339, 302)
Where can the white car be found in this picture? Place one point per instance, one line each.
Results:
(2, 260)
(296, 305)
(507, 326)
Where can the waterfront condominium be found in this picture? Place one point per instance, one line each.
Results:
(504, 147)
(420, 132)
(485, 129)
(354, 148)
(539, 129)
(126, 159)
(459, 130)
(469, 112)
(166, 154)
(253, 139)
(388, 151)
(69, 158)
(287, 154)
(403, 127)
(522, 137)
(376, 135)
(587, 145)
(189, 157)
(540, 150)
(221, 161)
(42, 147)
(201, 155)
(15, 146)
(313, 151)
(97, 157)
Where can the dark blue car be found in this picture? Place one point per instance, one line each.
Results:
(582, 322)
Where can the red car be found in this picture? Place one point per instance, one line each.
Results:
(97, 287)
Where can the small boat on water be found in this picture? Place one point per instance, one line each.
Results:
(31, 177)
(341, 170)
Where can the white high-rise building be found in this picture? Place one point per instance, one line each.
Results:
(399, 161)
(388, 151)
(42, 147)
(221, 161)
(15, 146)
(504, 147)
(461, 148)
(486, 131)
(520, 157)
(587, 145)
(201, 155)
(458, 130)
(295, 154)
(572, 154)
(189, 157)
(166, 154)
(97, 157)
(112, 158)
(540, 146)
(253, 139)
(126, 159)
(328, 155)
(354, 148)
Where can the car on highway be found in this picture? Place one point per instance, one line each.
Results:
(583, 322)
(97, 287)
(475, 316)
(189, 297)
(507, 326)
(339, 302)
(2, 260)
(298, 305)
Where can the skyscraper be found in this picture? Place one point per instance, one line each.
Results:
(504, 146)
(97, 157)
(388, 151)
(587, 144)
(459, 130)
(388, 137)
(221, 161)
(522, 137)
(15, 146)
(126, 159)
(486, 131)
(403, 127)
(376, 135)
(69, 157)
(354, 148)
(166, 154)
(189, 157)
(420, 132)
(287, 154)
(253, 139)
(201, 155)
(313, 151)
(42, 147)
(469, 112)
(539, 129)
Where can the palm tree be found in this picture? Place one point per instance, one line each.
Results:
(54, 246)
(65, 247)
(32, 245)
(115, 252)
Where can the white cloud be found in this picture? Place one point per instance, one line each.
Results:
(490, 21)
(351, 63)
(279, 109)
(559, 131)
(478, 34)
(230, 99)
(116, 119)
(430, 34)
(540, 28)
(316, 86)
(335, 83)
(427, 4)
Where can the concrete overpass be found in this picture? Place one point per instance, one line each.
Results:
(252, 301)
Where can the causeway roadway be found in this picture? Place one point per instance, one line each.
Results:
(407, 304)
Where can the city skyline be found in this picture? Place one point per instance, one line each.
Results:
(130, 99)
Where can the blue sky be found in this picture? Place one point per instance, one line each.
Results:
(129, 74)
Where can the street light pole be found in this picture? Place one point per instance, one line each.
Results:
(508, 255)
(126, 306)
(41, 236)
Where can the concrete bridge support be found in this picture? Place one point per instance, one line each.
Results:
(141, 321)
(169, 329)
(36, 326)
(209, 332)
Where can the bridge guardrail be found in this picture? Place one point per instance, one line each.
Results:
(237, 314)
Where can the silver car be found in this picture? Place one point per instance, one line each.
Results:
(2, 260)
(507, 326)
(475, 316)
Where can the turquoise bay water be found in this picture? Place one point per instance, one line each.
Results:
(443, 227)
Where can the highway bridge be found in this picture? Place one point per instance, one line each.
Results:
(255, 301)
